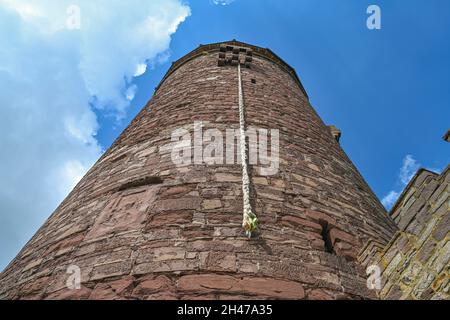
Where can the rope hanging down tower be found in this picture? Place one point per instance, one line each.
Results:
(250, 221)
(231, 55)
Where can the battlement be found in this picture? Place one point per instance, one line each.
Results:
(216, 47)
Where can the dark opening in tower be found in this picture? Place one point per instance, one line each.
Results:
(326, 236)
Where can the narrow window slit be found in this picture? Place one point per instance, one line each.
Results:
(326, 236)
(141, 182)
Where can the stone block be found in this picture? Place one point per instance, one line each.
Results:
(178, 204)
(300, 223)
(211, 204)
(224, 177)
(443, 228)
(156, 284)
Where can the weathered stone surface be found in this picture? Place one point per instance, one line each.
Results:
(177, 190)
(281, 289)
(80, 294)
(223, 177)
(221, 261)
(154, 285)
(264, 287)
(33, 264)
(122, 285)
(339, 235)
(320, 295)
(198, 283)
(211, 204)
(166, 266)
(103, 292)
(178, 204)
(108, 270)
(168, 253)
(443, 228)
(169, 218)
(260, 180)
(427, 250)
(297, 222)
(124, 212)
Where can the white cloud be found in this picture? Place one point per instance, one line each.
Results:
(222, 2)
(389, 200)
(48, 77)
(131, 92)
(407, 171)
(140, 69)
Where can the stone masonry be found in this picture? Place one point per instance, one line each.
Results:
(416, 262)
(140, 227)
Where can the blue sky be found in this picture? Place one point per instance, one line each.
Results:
(387, 90)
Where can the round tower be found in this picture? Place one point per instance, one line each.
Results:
(161, 215)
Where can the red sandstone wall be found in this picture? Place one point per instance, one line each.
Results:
(182, 238)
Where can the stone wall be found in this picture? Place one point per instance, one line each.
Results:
(416, 262)
(139, 227)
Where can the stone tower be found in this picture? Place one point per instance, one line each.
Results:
(142, 225)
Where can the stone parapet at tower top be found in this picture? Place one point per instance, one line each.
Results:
(143, 225)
